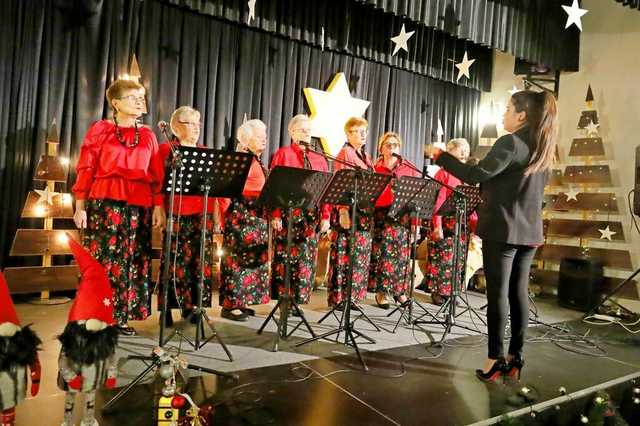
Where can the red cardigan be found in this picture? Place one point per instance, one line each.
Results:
(107, 169)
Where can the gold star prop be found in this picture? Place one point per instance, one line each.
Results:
(330, 110)
(45, 196)
(400, 40)
(574, 14)
(606, 233)
(463, 67)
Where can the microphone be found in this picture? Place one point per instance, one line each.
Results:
(162, 125)
(398, 156)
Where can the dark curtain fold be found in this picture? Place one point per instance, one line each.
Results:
(634, 4)
(352, 27)
(57, 62)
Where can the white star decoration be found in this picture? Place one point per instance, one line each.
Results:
(400, 40)
(45, 195)
(106, 302)
(572, 194)
(606, 233)
(440, 132)
(574, 14)
(463, 67)
(252, 10)
(592, 129)
(330, 110)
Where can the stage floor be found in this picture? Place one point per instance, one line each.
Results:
(409, 383)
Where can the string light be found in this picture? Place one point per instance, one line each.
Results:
(64, 161)
(40, 211)
(62, 238)
(220, 252)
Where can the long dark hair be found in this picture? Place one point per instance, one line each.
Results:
(542, 118)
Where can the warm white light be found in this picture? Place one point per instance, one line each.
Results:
(490, 114)
(40, 211)
(62, 238)
(64, 161)
(125, 76)
(220, 252)
(66, 198)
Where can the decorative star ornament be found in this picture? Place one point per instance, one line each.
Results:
(330, 110)
(463, 67)
(574, 14)
(440, 131)
(106, 302)
(514, 90)
(45, 196)
(400, 40)
(606, 233)
(252, 10)
(592, 129)
(572, 194)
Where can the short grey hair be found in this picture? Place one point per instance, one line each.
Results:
(179, 113)
(458, 143)
(248, 129)
(296, 119)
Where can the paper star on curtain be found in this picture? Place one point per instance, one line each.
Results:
(463, 67)
(252, 10)
(607, 233)
(400, 40)
(574, 14)
(330, 110)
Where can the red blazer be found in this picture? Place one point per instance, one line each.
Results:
(107, 169)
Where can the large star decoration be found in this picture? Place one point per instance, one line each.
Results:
(463, 67)
(330, 110)
(574, 14)
(252, 10)
(606, 233)
(45, 196)
(400, 40)
(572, 194)
(592, 129)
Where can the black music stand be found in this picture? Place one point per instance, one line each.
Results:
(462, 202)
(418, 196)
(355, 188)
(289, 188)
(193, 171)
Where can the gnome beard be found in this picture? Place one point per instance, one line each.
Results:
(18, 353)
(86, 362)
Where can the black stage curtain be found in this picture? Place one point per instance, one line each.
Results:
(57, 62)
(634, 4)
(357, 29)
(532, 30)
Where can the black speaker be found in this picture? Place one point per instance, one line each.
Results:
(636, 194)
(580, 283)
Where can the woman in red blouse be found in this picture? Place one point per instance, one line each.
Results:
(352, 153)
(440, 258)
(245, 267)
(307, 224)
(118, 198)
(184, 260)
(391, 246)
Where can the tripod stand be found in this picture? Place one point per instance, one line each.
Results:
(195, 164)
(462, 201)
(365, 191)
(290, 187)
(612, 293)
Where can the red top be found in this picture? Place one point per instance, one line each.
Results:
(401, 168)
(293, 156)
(349, 154)
(108, 169)
(447, 178)
(184, 204)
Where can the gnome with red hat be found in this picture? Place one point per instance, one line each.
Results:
(18, 351)
(87, 357)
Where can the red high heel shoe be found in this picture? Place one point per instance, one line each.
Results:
(497, 370)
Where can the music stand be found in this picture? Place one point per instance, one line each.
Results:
(355, 188)
(289, 188)
(202, 171)
(463, 201)
(418, 196)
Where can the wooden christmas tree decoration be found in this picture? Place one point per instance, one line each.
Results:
(587, 194)
(47, 241)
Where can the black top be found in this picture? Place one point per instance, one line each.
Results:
(511, 211)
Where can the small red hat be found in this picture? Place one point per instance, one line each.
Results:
(7, 310)
(94, 298)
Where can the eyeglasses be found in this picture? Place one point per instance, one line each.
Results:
(190, 123)
(133, 98)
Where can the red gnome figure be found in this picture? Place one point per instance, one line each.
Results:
(18, 351)
(87, 357)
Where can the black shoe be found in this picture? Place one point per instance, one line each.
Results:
(125, 330)
(514, 366)
(168, 320)
(249, 311)
(228, 314)
(497, 370)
